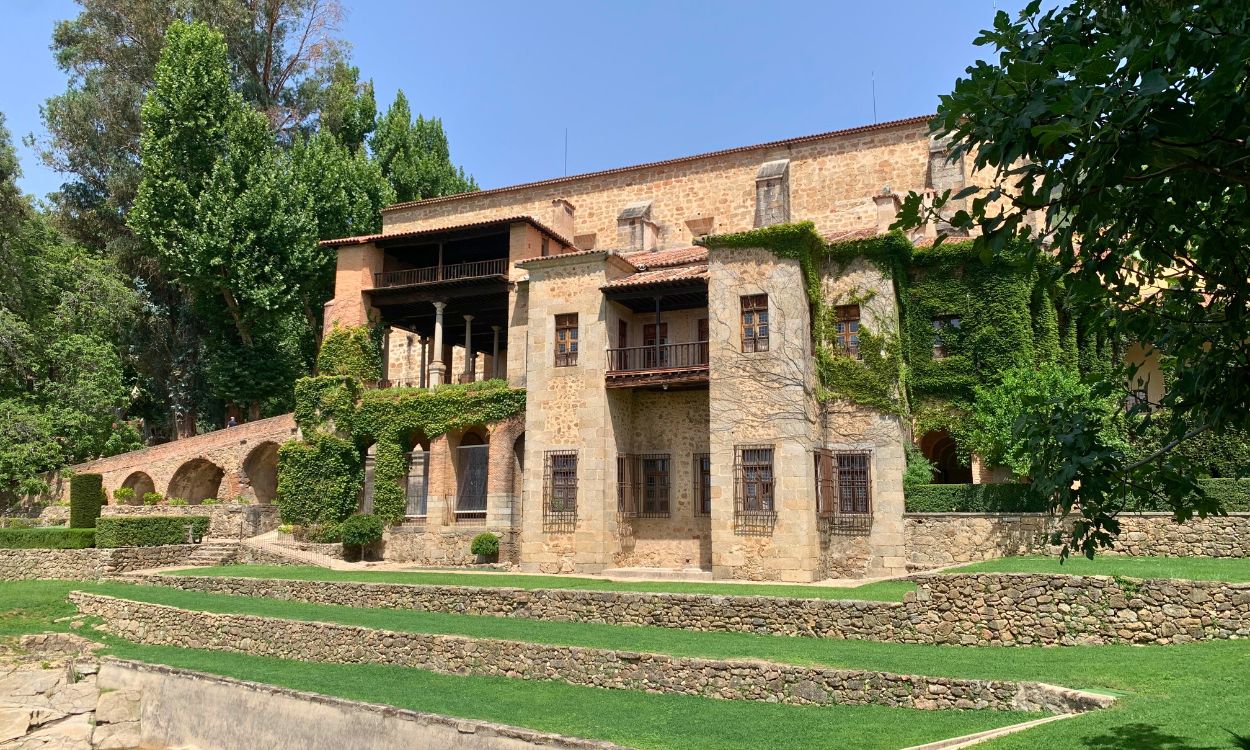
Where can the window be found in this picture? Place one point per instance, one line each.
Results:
(755, 323)
(643, 485)
(753, 494)
(418, 476)
(566, 340)
(546, 248)
(560, 485)
(473, 464)
(846, 330)
(945, 330)
(703, 484)
(843, 485)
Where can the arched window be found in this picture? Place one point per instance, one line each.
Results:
(417, 486)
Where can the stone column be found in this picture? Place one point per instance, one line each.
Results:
(423, 371)
(494, 357)
(469, 359)
(437, 368)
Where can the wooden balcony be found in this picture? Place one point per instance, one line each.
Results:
(480, 269)
(661, 365)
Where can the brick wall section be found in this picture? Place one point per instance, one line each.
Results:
(940, 539)
(983, 609)
(87, 564)
(711, 678)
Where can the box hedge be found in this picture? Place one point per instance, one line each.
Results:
(1233, 496)
(48, 537)
(147, 531)
(86, 497)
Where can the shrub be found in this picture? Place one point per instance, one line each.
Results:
(919, 470)
(1233, 495)
(285, 528)
(123, 495)
(17, 522)
(361, 530)
(319, 480)
(177, 502)
(86, 495)
(51, 537)
(210, 501)
(153, 498)
(972, 498)
(318, 533)
(485, 544)
(147, 531)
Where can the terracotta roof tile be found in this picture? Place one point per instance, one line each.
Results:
(362, 238)
(644, 259)
(854, 234)
(658, 276)
(525, 263)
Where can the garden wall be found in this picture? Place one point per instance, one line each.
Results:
(940, 539)
(443, 545)
(227, 520)
(87, 564)
(156, 624)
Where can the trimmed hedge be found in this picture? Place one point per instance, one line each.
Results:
(48, 537)
(1233, 496)
(147, 531)
(86, 496)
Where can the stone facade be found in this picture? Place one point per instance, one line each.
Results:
(655, 673)
(88, 564)
(940, 539)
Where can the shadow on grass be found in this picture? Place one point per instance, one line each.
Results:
(1145, 737)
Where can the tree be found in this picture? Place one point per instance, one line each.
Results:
(414, 156)
(1116, 136)
(216, 205)
(348, 109)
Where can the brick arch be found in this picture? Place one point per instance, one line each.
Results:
(196, 480)
(141, 483)
(939, 447)
(260, 468)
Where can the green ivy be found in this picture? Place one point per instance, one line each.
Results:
(319, 479)
(354, 352)
(326, 402)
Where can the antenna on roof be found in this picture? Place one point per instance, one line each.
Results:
(566, 152)
(873, 74)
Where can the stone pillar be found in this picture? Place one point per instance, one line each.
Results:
(423, 371)
(494, 356)
(469, 359)
(437, 368)
(386, 359)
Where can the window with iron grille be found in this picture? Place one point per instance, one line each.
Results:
(945, 330)
(473, 463)
(703, 484)
(843, 483)
(846, 330)
(560, 485)
(566, 340)
(753, 487)
(643, 483)
(755, 323)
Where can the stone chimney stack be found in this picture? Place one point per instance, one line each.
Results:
(634, 228)
(887, 210)
(561, 219)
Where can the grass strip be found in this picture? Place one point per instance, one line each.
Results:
(1230, 569)
(886, 591)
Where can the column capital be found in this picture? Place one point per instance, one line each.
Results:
(468, 317)
(439, 306)
(496, 329)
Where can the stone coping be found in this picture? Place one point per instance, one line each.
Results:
(753, 680)
(370, 712)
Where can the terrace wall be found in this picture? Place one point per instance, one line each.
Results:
(87, 564)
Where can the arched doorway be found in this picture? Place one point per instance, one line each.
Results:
(142, 484)
(472, 464)
(261, 469)
(939, 447)
(195, 481)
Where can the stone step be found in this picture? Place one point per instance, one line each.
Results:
(660, 574)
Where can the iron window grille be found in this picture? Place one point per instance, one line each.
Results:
(843, 491)
(754, 485)
(945, 332)
(755, 323)
(566, 340)
(416, 487)
(474, 463)
(643, 485)
(560, 486)
(702, 476)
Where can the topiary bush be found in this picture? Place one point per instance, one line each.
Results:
(485, 544)
(147, 531)
(972, 498)
(86, 496)
(123, 495)
(360, 531)
(52, 537)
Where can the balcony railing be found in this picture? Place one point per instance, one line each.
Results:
(687, 356)
(476, 270)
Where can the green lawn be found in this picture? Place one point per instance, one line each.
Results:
(1230, 569)
(636, 719)
(889, 591)
(1189, 697)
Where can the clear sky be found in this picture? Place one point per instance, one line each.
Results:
(631, 81)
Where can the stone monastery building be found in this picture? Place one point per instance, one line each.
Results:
(672, 418)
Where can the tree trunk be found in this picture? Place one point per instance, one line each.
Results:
(232, 305)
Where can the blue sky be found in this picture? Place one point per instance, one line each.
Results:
(631, 81)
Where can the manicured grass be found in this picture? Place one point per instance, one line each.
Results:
(1232, 569)
(880, 591)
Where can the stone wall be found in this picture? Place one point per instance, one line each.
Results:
(442, 545)
(87, 564)
(941, 539)
(655, 673)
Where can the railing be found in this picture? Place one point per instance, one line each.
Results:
(662, 357)
(434, 274)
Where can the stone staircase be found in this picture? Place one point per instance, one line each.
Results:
(214, 552)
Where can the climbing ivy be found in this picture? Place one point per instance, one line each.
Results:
(319, 479)
(354, 351)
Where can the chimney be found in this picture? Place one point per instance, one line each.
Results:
(634, 228)
(887, 209)
(561, 219)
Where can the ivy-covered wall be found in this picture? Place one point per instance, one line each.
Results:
(316, 480)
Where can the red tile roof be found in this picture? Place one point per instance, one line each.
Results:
(854, 234)
(363, 238)
(658, 276)
(680, 160)
(644, 259)
(557, 256)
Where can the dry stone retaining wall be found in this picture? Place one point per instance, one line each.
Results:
(727, 680)
(87, 564)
